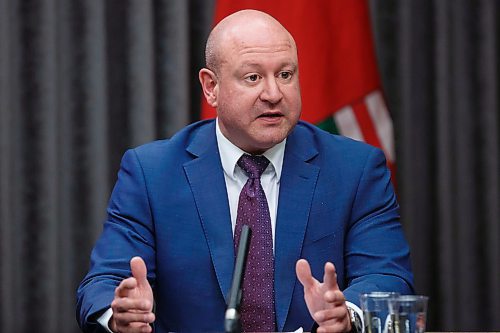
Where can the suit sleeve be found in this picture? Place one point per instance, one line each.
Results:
(377, 256)
(127, 232)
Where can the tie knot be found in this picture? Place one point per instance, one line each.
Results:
(253, 165)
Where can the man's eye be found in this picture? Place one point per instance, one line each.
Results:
(285, 75)
(253, 77)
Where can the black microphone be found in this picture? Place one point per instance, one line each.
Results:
(232, 323)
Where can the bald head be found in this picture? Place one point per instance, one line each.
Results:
(238, 28)
(252, 80)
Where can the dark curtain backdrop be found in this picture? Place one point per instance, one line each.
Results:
(440, 66)
(81, 81)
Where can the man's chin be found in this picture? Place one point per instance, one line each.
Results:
(268, 144)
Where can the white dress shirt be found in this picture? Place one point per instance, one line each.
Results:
(236, 178)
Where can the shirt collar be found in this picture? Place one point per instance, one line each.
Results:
(230, 154)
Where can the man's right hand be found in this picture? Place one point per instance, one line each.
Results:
(133, 303)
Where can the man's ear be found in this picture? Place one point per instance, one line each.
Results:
(209, 85)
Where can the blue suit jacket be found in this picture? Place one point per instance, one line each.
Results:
(170, 207)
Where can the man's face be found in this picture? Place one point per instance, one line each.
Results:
(258, 93)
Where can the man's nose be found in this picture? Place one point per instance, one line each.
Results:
(271, 92)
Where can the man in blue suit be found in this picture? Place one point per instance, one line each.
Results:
(168, 238)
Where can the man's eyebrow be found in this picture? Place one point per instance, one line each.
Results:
(291, 65)
(250, 64)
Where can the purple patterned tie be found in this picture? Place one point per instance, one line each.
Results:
(257, 308)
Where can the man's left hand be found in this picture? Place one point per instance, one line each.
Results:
(325, 301)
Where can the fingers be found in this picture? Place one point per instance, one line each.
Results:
(303, 271)
(131, 315)
(139, 270)
(131, 327)
(335, 319)
(330, 277)
(126, 304)
(139, 279)
(127, 318)
(305, 277)
(133, 302)
(334, 327)
(125, 287)
(334, 297)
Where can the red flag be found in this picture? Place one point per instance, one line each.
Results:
(339, 79)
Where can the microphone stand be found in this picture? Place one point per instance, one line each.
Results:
(232, 323)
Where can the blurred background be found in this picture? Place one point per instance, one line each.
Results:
(83, 80)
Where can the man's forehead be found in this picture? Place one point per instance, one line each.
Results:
(243, 56)
(249, 50)
(258, 43)
(256, 57)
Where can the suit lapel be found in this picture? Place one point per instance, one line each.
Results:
(206, 178)
(297, 185)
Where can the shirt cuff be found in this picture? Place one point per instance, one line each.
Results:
(103, 320)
